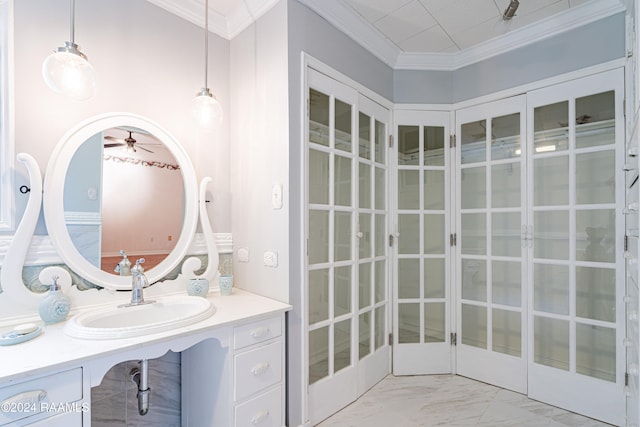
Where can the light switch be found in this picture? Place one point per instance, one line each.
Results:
(276, 196)
(243, 255)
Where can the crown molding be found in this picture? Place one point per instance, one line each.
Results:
(244, 15)
(226, 27)
(191, 10)
(549, 27)
(349, 22)
(546, 28)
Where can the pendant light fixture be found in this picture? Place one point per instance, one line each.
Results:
(67, 70)
(206, 107)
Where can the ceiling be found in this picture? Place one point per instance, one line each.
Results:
(416, 34)
(451, 25)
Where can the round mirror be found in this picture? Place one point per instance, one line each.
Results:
(120, 182)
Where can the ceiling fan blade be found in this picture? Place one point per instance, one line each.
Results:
(129, 141)
(113, 138)
(145, 149)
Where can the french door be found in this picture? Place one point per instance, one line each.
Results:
(576, 201)
(422, 295)
(346, 231)
(534, 277)
(491, 300)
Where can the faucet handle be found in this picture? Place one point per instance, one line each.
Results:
(138, 269)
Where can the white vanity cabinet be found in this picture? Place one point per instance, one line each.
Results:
(240, 384)
(51, 400)
(233, 368)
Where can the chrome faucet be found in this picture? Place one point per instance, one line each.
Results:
(138, 282)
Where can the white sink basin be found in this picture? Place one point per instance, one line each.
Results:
(132, 321)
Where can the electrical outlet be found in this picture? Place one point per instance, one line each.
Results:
(243, 255)
(92, 193)
(270, 259)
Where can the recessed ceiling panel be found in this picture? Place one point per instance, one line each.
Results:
(432, 40)
(405, 22)
(373, 10)
(461, 15)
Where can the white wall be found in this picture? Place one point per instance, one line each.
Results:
(259, 152)
(148, 62)
(142, 205)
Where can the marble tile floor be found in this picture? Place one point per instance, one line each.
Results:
(449, 400)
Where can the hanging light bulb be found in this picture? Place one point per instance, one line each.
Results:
(67, 70)
(206, 107)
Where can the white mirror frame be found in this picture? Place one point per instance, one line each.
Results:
(54, 199)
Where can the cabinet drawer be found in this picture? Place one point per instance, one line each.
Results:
(28, 398)
(256, 332)
(262, 411)
(257, 369)
(68, 419)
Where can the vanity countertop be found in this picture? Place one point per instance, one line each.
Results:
(54, 350)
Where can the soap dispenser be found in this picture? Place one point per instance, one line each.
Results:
(124, 266)
(56, 305)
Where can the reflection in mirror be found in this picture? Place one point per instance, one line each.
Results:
(133, 190)
(123, 191)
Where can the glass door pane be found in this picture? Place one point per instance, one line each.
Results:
(574, 192)
(490, 264)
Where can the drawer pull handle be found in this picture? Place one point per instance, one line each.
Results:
(23, 402)
(260, 417)
(260, 368)
(260, 332)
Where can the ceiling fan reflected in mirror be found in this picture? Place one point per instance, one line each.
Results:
(129, 143)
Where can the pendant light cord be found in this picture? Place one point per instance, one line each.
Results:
(206, 41)
(72, 19)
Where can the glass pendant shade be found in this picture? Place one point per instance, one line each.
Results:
(67, 71)
(207, 109)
